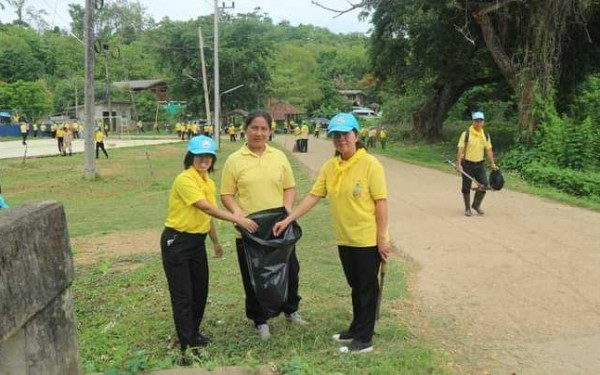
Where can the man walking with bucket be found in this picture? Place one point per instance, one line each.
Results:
(472, 146)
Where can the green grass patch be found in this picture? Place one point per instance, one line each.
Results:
(122, 303)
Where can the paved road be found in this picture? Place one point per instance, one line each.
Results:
(515, 291)
(49, 146)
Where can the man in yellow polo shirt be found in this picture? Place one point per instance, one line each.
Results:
(472, 146)
(255, 178)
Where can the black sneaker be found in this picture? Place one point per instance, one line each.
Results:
(342, 337)
(201, 340)
(357, 347)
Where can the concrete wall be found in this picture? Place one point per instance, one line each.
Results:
(38, 334)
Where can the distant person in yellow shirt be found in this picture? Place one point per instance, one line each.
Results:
(472, 145)
(99, 136)
(383, 137)
(273, 130)
(192, 205)
(68, 141)
(355, 184)
(24, 127)
(60, 138)
(304, 131)
(231, 132)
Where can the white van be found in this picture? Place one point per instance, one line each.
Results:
(365, 113)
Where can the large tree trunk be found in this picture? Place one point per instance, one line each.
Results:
(429, 119)
(538, 69)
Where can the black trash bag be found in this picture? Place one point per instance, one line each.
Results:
(267, 257)
(496, 179)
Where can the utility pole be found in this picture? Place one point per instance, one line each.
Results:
(90, 161)
(217, 122)
(204, 79)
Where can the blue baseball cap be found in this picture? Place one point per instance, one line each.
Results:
(477, 116)
(202, 145)
(343, 122)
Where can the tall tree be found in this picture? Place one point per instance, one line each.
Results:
(526, 39)
(415, 49)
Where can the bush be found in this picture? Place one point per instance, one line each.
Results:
(578, 183)
(519, 157)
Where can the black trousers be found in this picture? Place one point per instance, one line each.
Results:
(304, 145)
(100, 146)
(254, 311)
(61, 144)
(475, 170)
(186, 267)
(361, 266)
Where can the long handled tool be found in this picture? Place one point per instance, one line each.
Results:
(25, 153)
(382, 272)
(479, 187)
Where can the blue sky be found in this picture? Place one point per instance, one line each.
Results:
(294, 11)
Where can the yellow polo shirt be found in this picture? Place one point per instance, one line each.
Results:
(476, 146)
(188, 188)
(60, 133)
(304, 132)
(99, 136)
(353, 206)
(257, 182)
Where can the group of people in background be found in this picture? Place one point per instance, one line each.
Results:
(49, 129)
(259, 177)
(370, 136)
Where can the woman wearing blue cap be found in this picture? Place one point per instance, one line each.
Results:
(472, 146)
(192, 203)
(355, 183)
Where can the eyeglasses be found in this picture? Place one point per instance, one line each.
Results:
(340, 135)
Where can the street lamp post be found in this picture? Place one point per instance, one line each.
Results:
(220, 95)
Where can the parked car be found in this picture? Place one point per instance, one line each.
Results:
(365, 113)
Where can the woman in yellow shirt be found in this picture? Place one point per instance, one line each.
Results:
(355, 183)
(259, 177)
(192, 204)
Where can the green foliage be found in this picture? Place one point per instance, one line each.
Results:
(295, 75)
(577, 183)
(492, 99)
(587, 100)
(21, 54)
(330, 103)
(519, 157)
(565, 143)
(32, 100)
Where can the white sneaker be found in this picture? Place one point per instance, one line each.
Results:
(263, 332)
(357, 347)
(296, 318)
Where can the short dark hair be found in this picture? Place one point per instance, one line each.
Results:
(256, 114)
(188, 161)
(359, 145)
